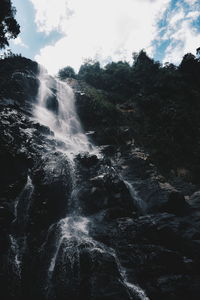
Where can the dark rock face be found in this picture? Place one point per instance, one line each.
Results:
(52, 104)
(97, 272)
(18, 82)
(160, 250)
(102, 188)
(51, 178)
(194, 200)
(134, 236)
(87, 160)
(176, 204)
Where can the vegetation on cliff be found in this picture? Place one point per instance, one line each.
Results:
(160, 105)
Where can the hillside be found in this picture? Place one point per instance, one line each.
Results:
(159, 105)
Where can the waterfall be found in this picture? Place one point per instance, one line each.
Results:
(15, 255)
(55, 109)
(23, 203)
(73, 233)
(137, 200)
(71, 227)
(18, 239)
(62, 118)
(140, 204)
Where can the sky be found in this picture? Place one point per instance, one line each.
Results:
(59, 33)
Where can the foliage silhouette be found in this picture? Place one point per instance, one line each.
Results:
(9, 28)
(165, 102)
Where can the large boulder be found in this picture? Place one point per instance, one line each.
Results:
(87, 160)
(52, 179)
(158, 251)
(194, 200)
(176, 204)
(106, 191)
(6, 216)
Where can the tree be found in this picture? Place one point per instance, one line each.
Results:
(9, 28)
(145, 72)
(91, 72)
(142, 61)
(117, 76)
(67, 72)
(190, 66)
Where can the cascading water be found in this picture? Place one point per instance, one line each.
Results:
(63, 121)
(73, 234)
(23, 203)
(56, 109)
(15, 252)
(18, 239)
(134, 194)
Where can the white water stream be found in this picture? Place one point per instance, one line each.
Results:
(140, 204)
(21, 210)
(67, 128)
(65, 122)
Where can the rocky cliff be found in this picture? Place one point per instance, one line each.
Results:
(96, 224)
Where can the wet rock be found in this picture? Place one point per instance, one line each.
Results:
(52, 104)
(155, 247)
(43, 129)
(27, 84)
(52, 181)
(176, 204)
(114, 136)
(105, 191)
(177, 287)
(194, 200)
(117, 212)
(13, 176)
(108, 150)
(87, 160)
(6, 217)
(88, 269)
(155, 191)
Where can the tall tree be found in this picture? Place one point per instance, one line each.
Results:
(9, 28)
(67, 72)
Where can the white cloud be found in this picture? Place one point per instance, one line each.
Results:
(183, 36)
(177, 17)
(51, 14)
(96, 29)
(191, 2)
(113, 29)
(18, 41)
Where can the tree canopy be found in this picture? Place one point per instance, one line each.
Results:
(9, 28)
(67, 72)
(164, 101)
